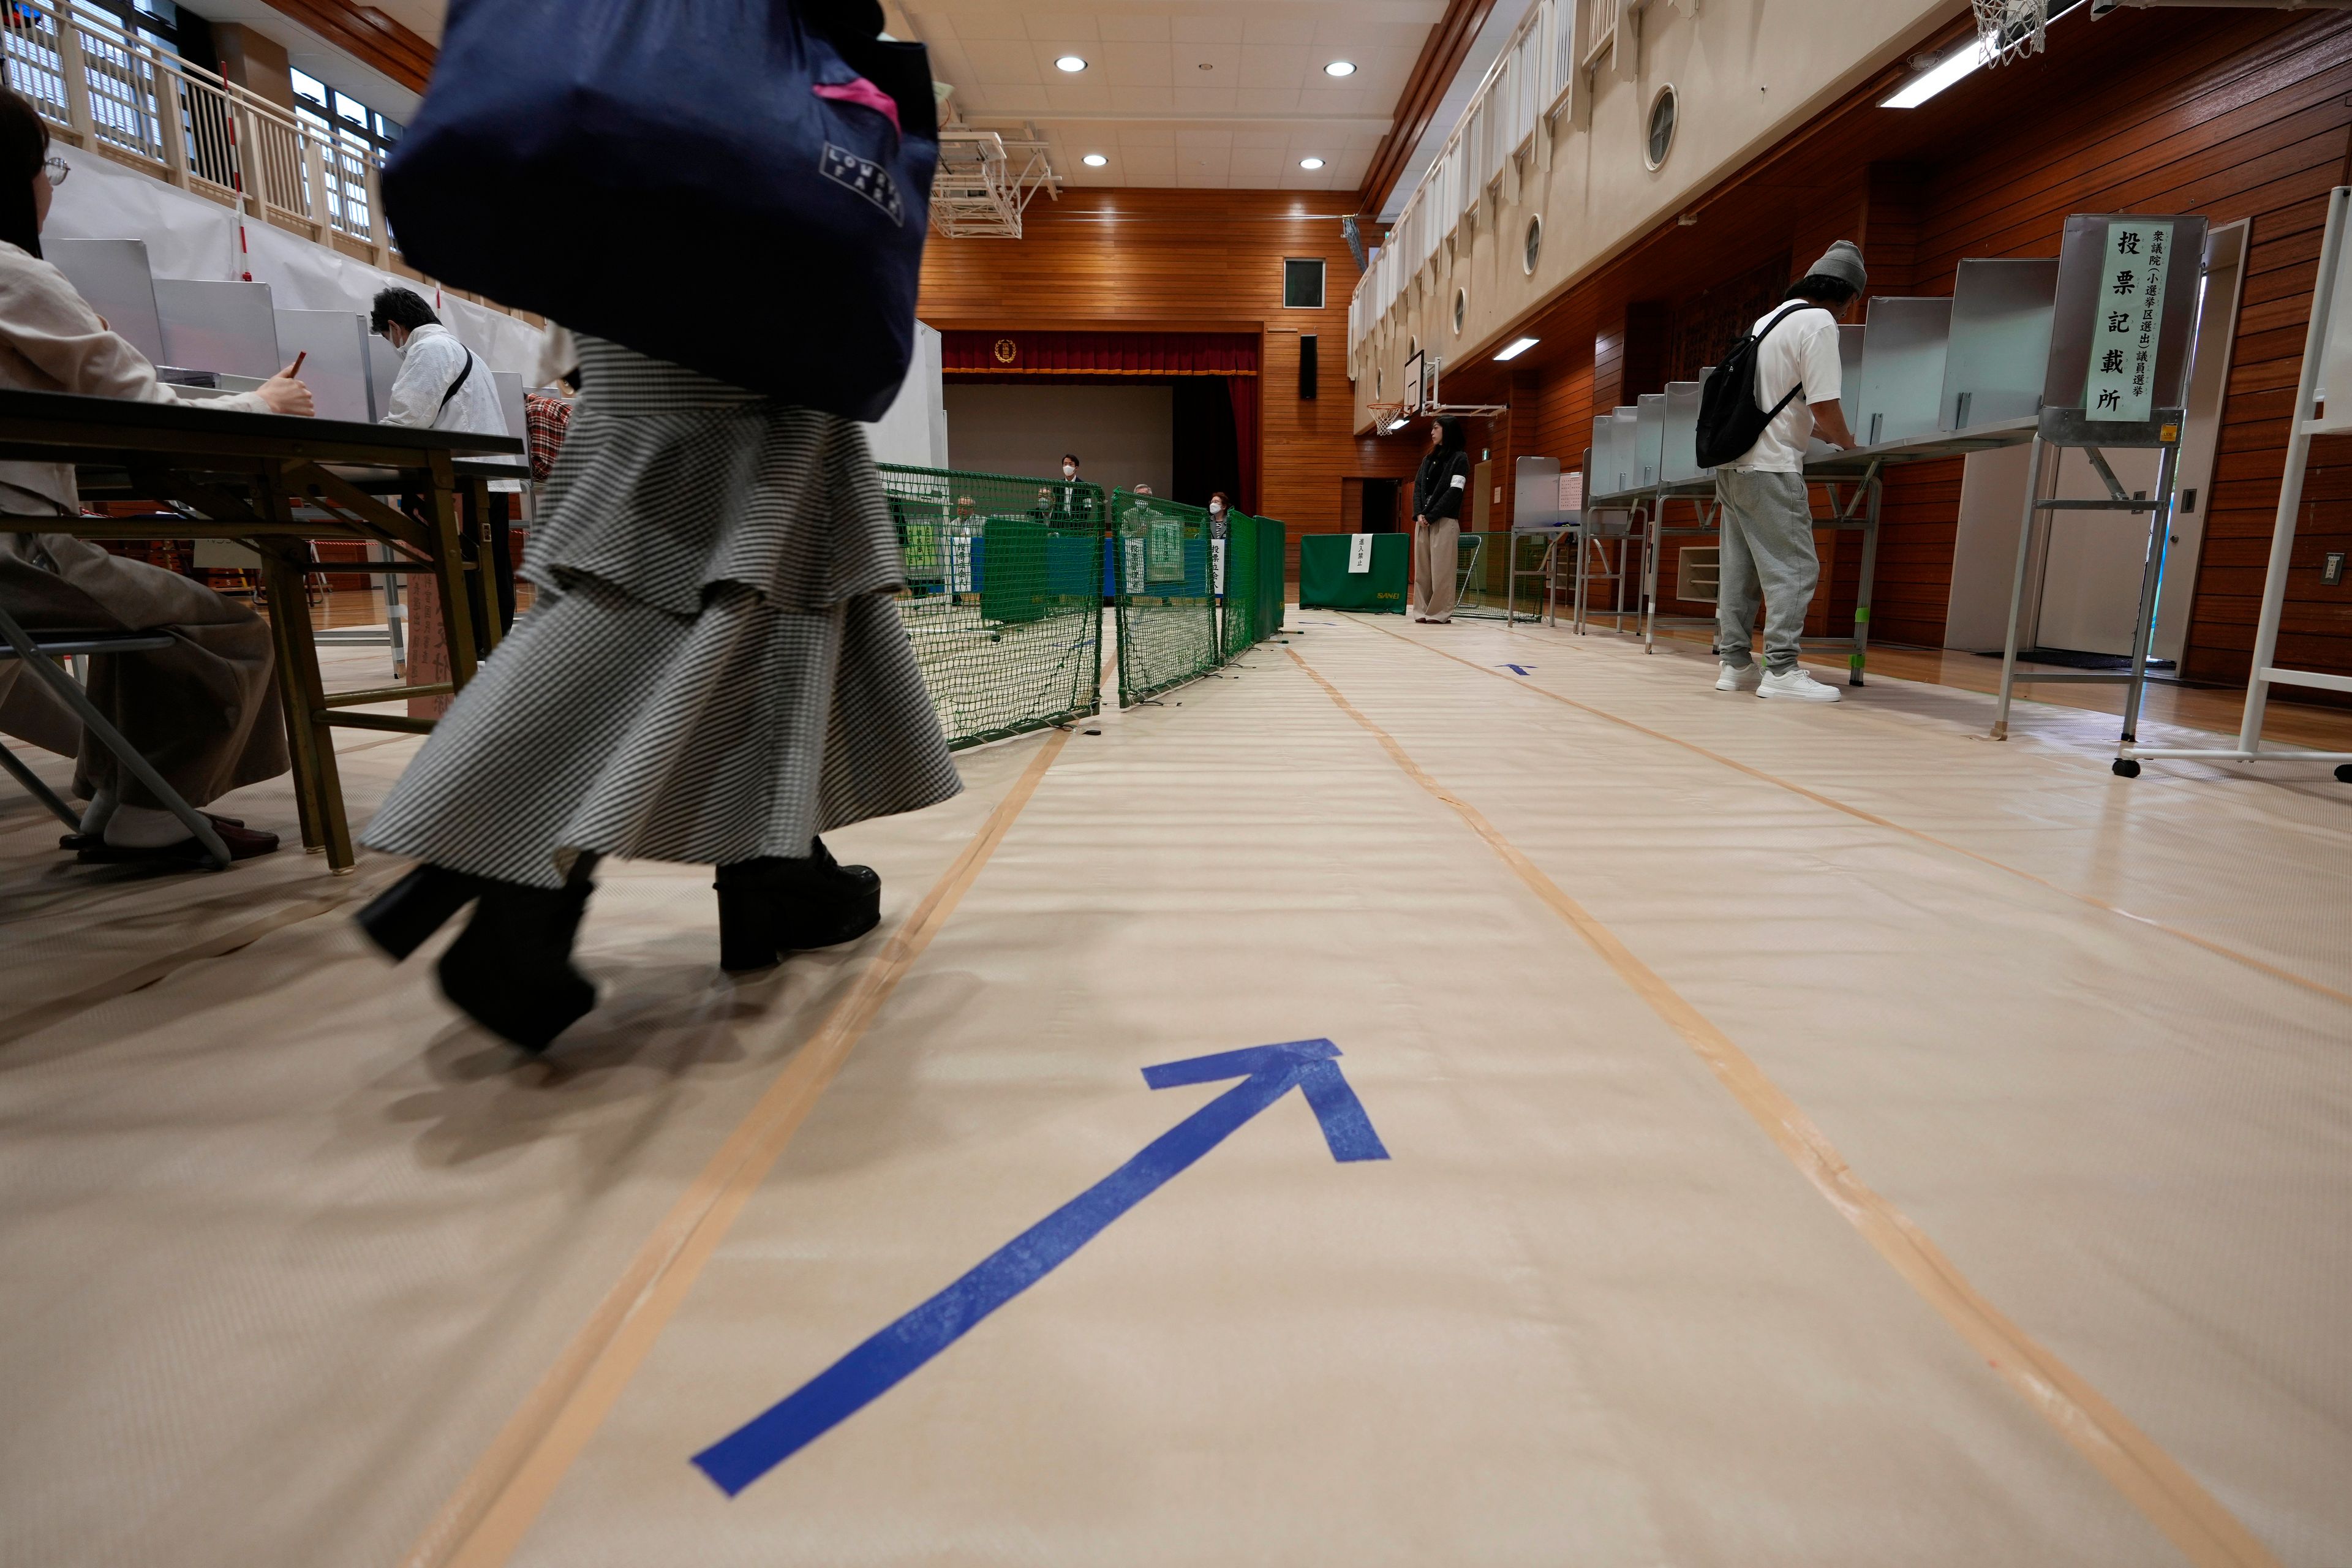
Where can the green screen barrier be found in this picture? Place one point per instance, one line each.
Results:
(1003, 604)
(1326, 583)
(1167, 609)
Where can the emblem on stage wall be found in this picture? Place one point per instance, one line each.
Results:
(1005, 351)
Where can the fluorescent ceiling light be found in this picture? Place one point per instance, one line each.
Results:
(1964, 59)
(1069, 63)
(1340, 67)
(1310, 162)
(1516, 349)
(1094, 159)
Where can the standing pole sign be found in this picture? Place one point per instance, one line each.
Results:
(2326, 363)
(2121, 342)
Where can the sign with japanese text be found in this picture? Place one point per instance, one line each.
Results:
(2128, 319)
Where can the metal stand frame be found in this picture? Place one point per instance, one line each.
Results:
(38, 657)
(2265, 672)
(2061, 429)
(1592, 541)
(1549, 571)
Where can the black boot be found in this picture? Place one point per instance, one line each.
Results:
(772, 906)
(510, 968)
(399, 919)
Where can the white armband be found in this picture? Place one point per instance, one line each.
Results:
(1457, 481)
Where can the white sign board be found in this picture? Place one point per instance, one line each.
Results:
(2128, 321)
(1134, 564)
(1217, 563)
(1360, 553)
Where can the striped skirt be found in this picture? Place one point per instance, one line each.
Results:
(714, 669)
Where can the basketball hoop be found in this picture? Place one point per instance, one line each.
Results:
(2009, 29)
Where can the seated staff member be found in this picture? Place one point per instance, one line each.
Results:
(1768, 514)
(204, 711)
(1437, 492)
(443, 385)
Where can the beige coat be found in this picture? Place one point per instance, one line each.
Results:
(206, 712)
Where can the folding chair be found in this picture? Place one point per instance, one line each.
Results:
(39, 656)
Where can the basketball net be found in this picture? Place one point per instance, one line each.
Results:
(2007, 29)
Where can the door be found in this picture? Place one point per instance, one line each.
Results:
(2091, 561)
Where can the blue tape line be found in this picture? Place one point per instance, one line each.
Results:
(865, 1374)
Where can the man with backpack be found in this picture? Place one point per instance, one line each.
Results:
(1754, 428)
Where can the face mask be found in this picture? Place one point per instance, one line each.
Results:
(1069, 471)
(1217, 508)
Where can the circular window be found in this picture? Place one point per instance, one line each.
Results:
(1661, 140)
(1461, 307)
(1533, 247)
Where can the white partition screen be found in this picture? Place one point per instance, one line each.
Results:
(2001, 340)
(1903, 368)
(227, 327)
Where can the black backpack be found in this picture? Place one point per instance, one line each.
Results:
(1729, 420)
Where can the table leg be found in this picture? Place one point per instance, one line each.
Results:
(1861, 659)
(315, 773)
(449, 571)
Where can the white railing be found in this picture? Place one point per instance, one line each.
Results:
(987, 179)
(144, 106)
(1528, 86)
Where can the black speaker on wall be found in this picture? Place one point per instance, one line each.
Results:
(1306, 342)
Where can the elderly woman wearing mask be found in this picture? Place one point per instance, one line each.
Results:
(203, 712)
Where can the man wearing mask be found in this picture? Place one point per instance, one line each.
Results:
(1073, 502)
(443, 385)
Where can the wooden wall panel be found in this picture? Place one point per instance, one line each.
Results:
(2231, 116)
(1179, 261)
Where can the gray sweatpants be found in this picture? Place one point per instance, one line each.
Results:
(1768, 549)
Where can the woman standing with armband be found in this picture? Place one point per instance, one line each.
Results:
(1437, 492)
(714, 671)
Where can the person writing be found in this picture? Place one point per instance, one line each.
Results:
(1437, 492)
(204, 711)
(443, 385)
(1767, 518)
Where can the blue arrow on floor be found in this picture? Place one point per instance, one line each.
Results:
(865, 1374)
(1515, 668)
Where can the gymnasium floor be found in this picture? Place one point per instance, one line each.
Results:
(1813, 1135)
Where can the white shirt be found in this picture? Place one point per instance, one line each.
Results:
(433, 359)
(1802, 352)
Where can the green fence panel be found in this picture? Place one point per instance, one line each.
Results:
(1243, 586)
(1003, 602)
(1274, 539)
(1167, 607)
(1326, 583)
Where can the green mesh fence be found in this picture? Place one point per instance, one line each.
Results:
(1272, 547)
(1243, 586)
(1167, 604)
(1003, 604)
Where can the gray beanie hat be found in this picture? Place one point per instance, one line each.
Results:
(1841, 261)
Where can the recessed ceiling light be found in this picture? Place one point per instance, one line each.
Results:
(1310, 162)
(1094, 159)
(1516, 349)
(1069, 63)
(1340, 67)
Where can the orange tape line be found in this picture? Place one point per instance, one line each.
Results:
(484, 1520)
(2208, 1534)
(2259, 965)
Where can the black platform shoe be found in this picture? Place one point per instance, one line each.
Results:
(399, 919)
(510, 968)
(772, 906)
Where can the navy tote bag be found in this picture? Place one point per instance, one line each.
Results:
(739, 186)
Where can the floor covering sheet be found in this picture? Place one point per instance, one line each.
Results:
(299, 1270)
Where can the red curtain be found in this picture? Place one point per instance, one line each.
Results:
(1243, 389)
(1099, 353)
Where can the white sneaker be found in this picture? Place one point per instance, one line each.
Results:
(1738, 677)
(1797, 684)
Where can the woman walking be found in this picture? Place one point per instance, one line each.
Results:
(1437, 492)
(713, 672)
